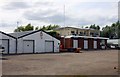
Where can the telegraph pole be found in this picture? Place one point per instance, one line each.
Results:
(17, 26)
(64, 25)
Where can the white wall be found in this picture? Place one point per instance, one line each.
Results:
(0, 38)
(12, 43)
(39, 43)
(20, 45)
(113, 41)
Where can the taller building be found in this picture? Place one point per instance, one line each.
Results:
(66, 31)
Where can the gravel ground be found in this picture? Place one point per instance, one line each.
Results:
(99, 62)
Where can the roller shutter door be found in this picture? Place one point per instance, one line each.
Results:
(95, 44)
(5, 45)
(49, 46)
(28, 46)
(85, 44)
(75, 43)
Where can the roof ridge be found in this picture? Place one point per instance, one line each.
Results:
(8, 35)
(35, 32)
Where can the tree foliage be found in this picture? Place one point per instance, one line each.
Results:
(95, 27)
(37, 28)
(112, 31)
(19, 29)
(50, 27)
(28, 27)
(54, 33)
(86, 27)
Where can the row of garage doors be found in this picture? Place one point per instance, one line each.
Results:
(75, 44)
(28, 46)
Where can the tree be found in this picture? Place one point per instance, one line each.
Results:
(106, 32)
(50, 27)
(54, 33)
(43, 28)
(37, 28)
(112, 31)
(118, 29)
(28, 27)
(95, 27)
(86, 27)
(19, 29)
(98, 27)
(55, 26)
(92, 26)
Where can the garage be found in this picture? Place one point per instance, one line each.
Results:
(28, 46)
(8, 43)
(5, 45)
(75, 43)
(49, 46)
(103, 44)
(85, 44)
(95, 44)
(37, 41)
(81, 43)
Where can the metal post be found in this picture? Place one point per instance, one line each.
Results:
(118, 39)
(64, 26)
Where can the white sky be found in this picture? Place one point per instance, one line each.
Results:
(44, 12)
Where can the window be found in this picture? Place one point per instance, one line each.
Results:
(72, 32)
(81, 33)
(84, 33)
(96, 34)
(92, 34)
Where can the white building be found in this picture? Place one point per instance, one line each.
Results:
(8, 42)
(36, 42)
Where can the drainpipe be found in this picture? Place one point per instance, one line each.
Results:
(16, 45)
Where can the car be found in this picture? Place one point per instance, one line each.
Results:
(113, 43)
(112, 46)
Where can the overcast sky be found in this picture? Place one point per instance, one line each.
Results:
(44, 12)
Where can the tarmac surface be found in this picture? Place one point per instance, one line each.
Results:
(98, 62)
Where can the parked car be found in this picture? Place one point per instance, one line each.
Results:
(113, 44)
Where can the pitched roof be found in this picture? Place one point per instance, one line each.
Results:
(8, 35)
(26, 33)
(19, 34)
